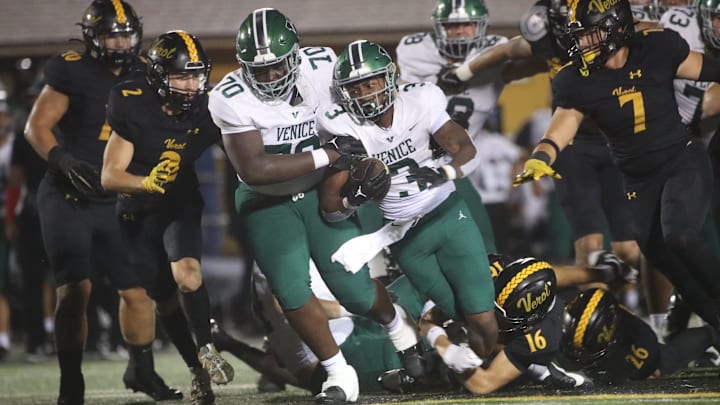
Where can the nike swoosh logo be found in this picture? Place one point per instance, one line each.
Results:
(412, 127)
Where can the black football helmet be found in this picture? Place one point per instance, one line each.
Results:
(598, 29)
(524, 293)
(558, 18)
(107, 17)
(589, 325)
(177, 52)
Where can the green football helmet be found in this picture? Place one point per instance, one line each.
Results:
(707, 9)
(459, 11)
(359, 61)
(267, 42)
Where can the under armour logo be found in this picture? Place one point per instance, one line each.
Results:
(631, 195)
(193, 131)
(635, 75)
(359, 192)
(461, 215)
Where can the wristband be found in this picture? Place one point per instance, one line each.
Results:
(540, 155)
(344, 312)
(320, 158)
(434, 333)
(551, 143)
(463, 72)
(347, 204)
(450, 172)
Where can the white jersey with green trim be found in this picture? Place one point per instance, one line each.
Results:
(688, 93)
(420, 61)
(418, 112)
(641, 13)
(285, 127)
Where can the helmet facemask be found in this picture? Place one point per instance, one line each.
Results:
(459, 47)
(104, 20)
(361, 66)
(598, 37)
(180, 55)
(265, 88)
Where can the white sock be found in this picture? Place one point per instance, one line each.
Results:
(334, 363)
(5, 340)
(49, 325)
(402, 333)
(393, 325)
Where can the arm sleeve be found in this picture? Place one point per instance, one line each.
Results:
(562, 94)
(674, 46)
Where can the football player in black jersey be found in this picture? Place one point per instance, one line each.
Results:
(614, 345)
(623, 81)
(591, 192)
(80, 230)
(529, 320)
(160, 127)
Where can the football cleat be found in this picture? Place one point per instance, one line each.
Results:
(201, 392)
(147, 381)
(341, 387)
(221, 372)
(397, 381)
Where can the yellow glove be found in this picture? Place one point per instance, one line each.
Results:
(533, 171)
(157, 178)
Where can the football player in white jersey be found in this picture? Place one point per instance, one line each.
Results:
(430, 231)
(459, 35)
(266, 111)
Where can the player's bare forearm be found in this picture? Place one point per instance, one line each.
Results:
(331, 191)
(48, 110)
(456, 141)
(563, 126)
(516, 48)
(711, 101)
(485, 381)
(116, 159)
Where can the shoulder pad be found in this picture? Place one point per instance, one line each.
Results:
(533, 24)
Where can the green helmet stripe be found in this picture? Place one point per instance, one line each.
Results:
(459, 5)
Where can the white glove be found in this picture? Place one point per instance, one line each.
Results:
(461, 358)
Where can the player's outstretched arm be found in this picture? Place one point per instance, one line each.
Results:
(485, 381)
(562, 129)
(246, 152)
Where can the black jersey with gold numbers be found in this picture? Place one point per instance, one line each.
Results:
(635, 355)
(537, 345)
(135, 113)
(634, 105)
(86, 82)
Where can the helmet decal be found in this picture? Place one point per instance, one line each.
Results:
(518, 278)
(585, 318)
(119, 11)
(190, 44)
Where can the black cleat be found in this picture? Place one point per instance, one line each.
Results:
(412, 361)
(331, 396)
(150, 383)
(72, 390)
(678, 317)
(397, 381)
(201, 392)
(70, 400)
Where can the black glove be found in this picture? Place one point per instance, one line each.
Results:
(448, 81)
(428, 176)
(83, 176)
(349, 148)
(362, 188)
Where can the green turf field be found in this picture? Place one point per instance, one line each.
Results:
(23, 383)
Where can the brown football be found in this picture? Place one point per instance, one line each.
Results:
(369, 168)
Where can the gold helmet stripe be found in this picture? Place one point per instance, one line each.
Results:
(190, 44)
(572, 5)
(518, 278)
(585, 317)
(119, 11)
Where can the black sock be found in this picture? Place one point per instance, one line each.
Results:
(177, 328)
(71, 378)
(197, 306)
(141, 356)
(684, 347)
